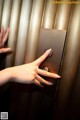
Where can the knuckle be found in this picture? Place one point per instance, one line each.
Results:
(33, 76)
(34, 73)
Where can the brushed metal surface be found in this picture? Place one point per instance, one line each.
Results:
(54, 39)
(14, 24)
(6, 13)
(49, 14)
(33, 33)
(23, 31)
(62, 15)
(70, 62)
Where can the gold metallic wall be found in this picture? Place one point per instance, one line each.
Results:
(70, 61)
(23, 31)
(6, 13)
(14, 25)
(25, 18)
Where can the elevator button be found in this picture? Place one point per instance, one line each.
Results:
(46, 69)
(51, 53)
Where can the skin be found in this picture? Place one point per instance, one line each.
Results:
(27, 73)
(3, 38)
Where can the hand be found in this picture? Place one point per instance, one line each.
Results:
(3, 39)
(31, 73)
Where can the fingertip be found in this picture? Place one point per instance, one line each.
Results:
(58, 76)
(9, 49)
(50, 83)
(48, 50)
(43, 57)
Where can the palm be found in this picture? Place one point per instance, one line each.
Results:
(3, 39)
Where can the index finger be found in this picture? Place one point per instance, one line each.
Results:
(43, 57)
(2, 33)
(6, 36)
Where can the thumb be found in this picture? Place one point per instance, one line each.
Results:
(43, 57)
(5, 50)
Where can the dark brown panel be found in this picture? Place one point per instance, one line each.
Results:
(54, 39)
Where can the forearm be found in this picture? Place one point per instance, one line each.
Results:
(5, 76)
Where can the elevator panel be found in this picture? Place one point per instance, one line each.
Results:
(54, 39)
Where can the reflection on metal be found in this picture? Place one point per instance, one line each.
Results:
(49, 14)
(71, 57)
(55, 39)
(62, 16)
(34, 28)
(15, 15)
(1, 9)
(23, 31)
(6, 13)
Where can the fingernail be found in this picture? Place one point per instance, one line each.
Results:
(50, 83)
(48, 50)
(9, 49)
(57, 76)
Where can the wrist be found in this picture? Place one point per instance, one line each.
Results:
(5, 76)
(9, 74)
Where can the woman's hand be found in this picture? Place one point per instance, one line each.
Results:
(27, 73)
(3, 39)
(31, 73)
